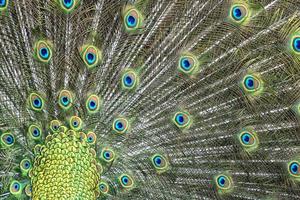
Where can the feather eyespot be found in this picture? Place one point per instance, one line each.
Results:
(107, 155)
(75, 123)
(296, 108)
(91, 55)
(93, 104)
(296, 44)
(15, 188)
(68, 5)
(3, 4)
(187, 63)
(25, 166)
(55, 125)
(43, 51)
(252, 84)
(103, 187)
(34, 132)
(238, 12)
(159, 162)
(126, 181)
(36, 102)
(65, 99)
(182, 119)
(7, 139)
(91, 137)
(132, 19)
(120, 125)
(248, 139)
(249, 83)
(294, 168)
(129, 80)
(224, 183)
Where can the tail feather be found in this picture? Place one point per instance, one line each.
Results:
(149, 99)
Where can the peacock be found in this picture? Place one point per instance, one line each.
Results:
(149, 99)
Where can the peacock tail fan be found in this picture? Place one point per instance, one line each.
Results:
(147, 99)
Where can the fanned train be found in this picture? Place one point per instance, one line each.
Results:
(149, 99)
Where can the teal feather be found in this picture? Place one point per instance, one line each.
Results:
(150, 99)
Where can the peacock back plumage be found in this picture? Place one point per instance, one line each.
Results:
(149, 99)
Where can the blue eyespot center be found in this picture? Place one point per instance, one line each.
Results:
(107, 155)
(246, 138)
(249, 83)
(68, 3)
(65, 100)
(102, 187)
(296, 44)
(180, 119)
(2, 3)
(125, 180)
(37, 103)
(221, 181)
(27, 165)
(16, 186)
(237, 13)
(92, 104)
(36, 132)
(44, 53)
(9, 139)
(90, 138)
(90, 57)
(131, 21)
(119, 126)
(75, 123)
(128, 80)
(157, 160)
(185, 64)
(294, 168)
